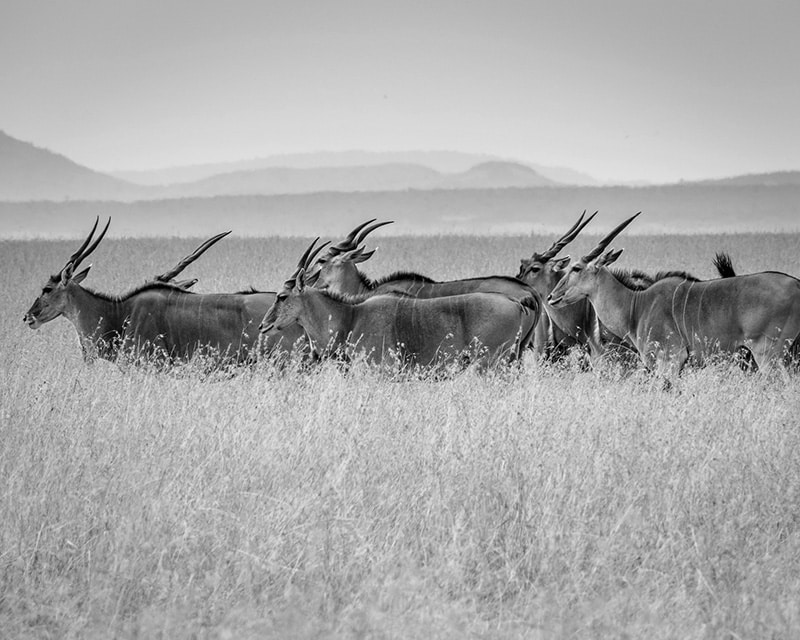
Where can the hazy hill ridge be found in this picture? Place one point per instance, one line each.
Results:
(280, 180)
(774, 179)
(385, 177)
(442, 161)
(28, 172)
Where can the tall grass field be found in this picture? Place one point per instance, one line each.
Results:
(537, 502)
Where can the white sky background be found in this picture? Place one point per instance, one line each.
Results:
(622, 90)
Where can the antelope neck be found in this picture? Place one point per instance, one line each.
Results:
(614, 304)
(324, 318)
(94, 316)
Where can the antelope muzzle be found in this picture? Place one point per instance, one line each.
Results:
(31, 320)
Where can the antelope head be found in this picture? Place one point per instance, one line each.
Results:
(543, 270)
(336, 268)
(54, 298)
(286, 309)
(580, 279)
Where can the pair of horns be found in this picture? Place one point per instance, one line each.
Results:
(357, 236)
(305, 261)
(82, 253)
(308, 257)
(568, 237)
(167, 276)
(601, 246)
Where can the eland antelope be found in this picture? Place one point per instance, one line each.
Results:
(336, 271)
(577, 324)
(402, 330)
(678, 316)
(574, 325)
(560, 329)
(160, 319)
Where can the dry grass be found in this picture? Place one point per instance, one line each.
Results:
(546, 502)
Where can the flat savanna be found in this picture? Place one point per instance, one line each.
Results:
(540, 501)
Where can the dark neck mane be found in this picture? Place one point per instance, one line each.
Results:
(393, 277)
(661, 275)
(637, 280)
(249, 291)
(148, 286)
(344, 298)
(632, 278)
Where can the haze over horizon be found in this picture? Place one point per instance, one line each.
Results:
(623, 91)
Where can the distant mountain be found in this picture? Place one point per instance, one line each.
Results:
(442, 161)
(385, 177)
(28, 172)
(774, 179)
(565, 175)
(496, 175)
(282, 180)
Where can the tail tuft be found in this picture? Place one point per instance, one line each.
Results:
(531, 303)
(722, 261)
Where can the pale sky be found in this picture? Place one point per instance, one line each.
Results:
(622, 90)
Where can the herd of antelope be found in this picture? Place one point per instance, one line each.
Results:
(329, 308)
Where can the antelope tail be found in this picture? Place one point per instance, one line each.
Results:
(724, 265)
(530, 304)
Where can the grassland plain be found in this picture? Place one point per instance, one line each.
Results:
(540, 502)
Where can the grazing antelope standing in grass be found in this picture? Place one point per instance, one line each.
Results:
(336, 270)
(401, 330)
(577, 324)
(160, 319)
(678, 317)
(560, 329)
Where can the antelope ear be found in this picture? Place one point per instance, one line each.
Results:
(185, 284)
(299, 280)
(561, 263)
(609, 256)
(364, 255)
(66, 273)
(311, 279)
(354, 256)
(80, 277)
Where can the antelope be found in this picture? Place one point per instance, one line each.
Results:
(559, 329)
(400, 330)
(336, 270)
(160, 319)
(678, 316)
(577, 324)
